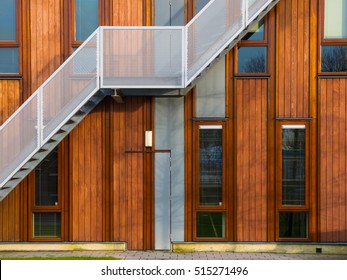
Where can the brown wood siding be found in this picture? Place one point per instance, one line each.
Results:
(9, 98)
(10, 217)
(45, 39)
(87, 180)
(333, 160)
(128, 13)
(10, 210)
(293, 65)
(251, 159)
(127, 140)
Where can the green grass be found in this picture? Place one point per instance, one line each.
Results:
(79, 258)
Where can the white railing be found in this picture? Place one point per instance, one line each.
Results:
(121, 57)
(48, 109)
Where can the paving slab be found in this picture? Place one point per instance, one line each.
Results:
(165, 255)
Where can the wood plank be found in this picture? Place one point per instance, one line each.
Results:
(251, 122)
(323, 158)
(342, 162)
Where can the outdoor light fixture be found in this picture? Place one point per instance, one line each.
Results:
(148, 139)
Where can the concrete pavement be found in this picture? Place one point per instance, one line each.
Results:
(166, 255)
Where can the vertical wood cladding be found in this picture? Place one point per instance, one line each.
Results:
(251, 159)
(293, 49)
(9, 98)
(10, 210)
(87, 177)
(128, 13)
(333, 159)
(45, 39)
(128, 126)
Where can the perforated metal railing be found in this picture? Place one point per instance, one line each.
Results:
(49, 108)
(121, 57)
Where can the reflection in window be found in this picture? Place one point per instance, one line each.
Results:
(210, 224)
(335, 19)
(293, 165)
(293, 225)
(200, 4)
(46, 181)
(256, 33)
(9, 62)
(46, 225)
(334, 59)
(169, 13)
(7, 20)
(210, 92)
(252, 60)
(86, 16)
(210, 165)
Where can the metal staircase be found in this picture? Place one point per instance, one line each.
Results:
(137, 60)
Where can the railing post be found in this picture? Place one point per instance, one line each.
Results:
(40, 117)
(184, 57)
(99, 56)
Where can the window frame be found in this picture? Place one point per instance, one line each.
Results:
(7, 44)
(253, 43)
(292, 208)
(101, 18)
(323, 42)
(47, 209)
(196, 183)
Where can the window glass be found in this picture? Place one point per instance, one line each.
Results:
(210, 224)
(293, 225)
(200, 4)
(334, 59)
(9, 62)
(86, 18)
(256, 33)
(7, 20)
(210, 92)
(335, 19)
(46, 181)
(46, 225)
(252, 60)
(293, 165)
(210, 191)
(169, 12)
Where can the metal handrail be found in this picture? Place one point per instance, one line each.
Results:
(180, 46)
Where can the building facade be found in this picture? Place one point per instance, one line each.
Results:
(254, 152)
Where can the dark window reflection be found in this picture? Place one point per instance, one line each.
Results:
(46, 225)
(293, 166)
(252, 60)
(210, 166)
(334, 59)
(293, 225)
(46, 181)
(210, 224)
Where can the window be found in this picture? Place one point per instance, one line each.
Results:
(210, 215)
(86, 18)
(169, 12)
(210, 93)
(46, 208)
(200, 4)
(293, 182)
(334, 36)
(252, 51)
(9, 38)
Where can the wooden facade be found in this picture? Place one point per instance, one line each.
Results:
(106, 174)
